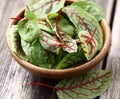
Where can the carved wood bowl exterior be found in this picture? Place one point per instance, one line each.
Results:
(64, 73)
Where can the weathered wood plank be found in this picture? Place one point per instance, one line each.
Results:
(114, 58)
(107, 6)
(7, 10)
(14, 79)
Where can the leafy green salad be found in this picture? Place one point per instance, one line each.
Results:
(57, 34)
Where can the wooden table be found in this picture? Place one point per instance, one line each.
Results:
(14, 79)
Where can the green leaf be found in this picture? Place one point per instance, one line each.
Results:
(42, 57)
(30, 15)
(37, 55)
(83, 21)
(87, 86)
(28, 27)
(72, 60)
(64, 24)
(13, 37)
(70, 45)
(64, 30)
(91, 7)
(88, 43)
(43, 7)
(27, 50)
(14, 41)
(43, 25)
(49, 42)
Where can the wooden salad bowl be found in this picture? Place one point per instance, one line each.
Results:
(69, 72)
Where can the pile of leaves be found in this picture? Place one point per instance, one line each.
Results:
(54, 34)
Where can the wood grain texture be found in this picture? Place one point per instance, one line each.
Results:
(14, 79)
(113, 61)
(107, 6)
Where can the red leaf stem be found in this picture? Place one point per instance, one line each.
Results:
(42, 19)
(45, 39)
(43, 22)
(91, 37)
(42, 84)
(16, 18)
(91, 48)
(57, 27)
(60, 44)
(89, 40)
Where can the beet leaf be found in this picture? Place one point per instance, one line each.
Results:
(92, 8)
(28, 27)
(87, 86)
(83, 21)
(36, 54)
(27, 50)
(13, 34)
(42, 57)
(63, 24)
(43, 7)
(43, 25)
(72, 60)
(70, 45)
(51, 19)
(88, 43)
(50, 42)
(14, 41)
(64, 30)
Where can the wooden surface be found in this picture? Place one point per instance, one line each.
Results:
(14, 79)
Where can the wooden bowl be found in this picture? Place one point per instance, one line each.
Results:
(64, 73)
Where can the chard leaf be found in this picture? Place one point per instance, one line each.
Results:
(63, 24)
(43, 7)
(14, 41)
(87, 86)
(43, 25)
(83, 21)
(88, 43)
(64, 30)
(13, 35)
(49, 42)
(37, 55)
(27, 50)
(28, 27)
(70, 45)
(72, 59)
(92, 8)
(41, 57)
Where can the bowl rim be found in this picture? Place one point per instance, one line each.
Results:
(54, 73)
